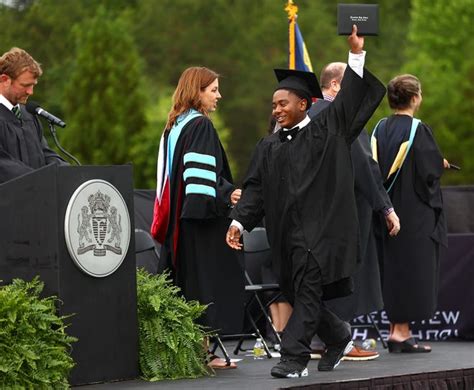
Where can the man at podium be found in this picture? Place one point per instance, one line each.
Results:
(23, 147)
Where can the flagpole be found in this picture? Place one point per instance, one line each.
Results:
(292, 10)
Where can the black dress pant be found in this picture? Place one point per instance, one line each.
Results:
(309, 316)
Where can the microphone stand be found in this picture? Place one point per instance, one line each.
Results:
(55, 138)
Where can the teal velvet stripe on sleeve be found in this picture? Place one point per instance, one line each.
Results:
(199, 158)
(200, 174)
(200, 189)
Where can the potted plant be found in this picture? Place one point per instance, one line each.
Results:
(34, 346)
(171, 343)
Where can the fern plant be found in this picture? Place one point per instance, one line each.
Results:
(171, 343)
(34, 347)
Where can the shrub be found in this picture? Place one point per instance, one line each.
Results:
(34, 347)
(171, 343)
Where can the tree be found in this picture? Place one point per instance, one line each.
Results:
(104, 99)
(244, 41)
(441, 41)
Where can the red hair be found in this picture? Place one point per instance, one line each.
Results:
(187, 95)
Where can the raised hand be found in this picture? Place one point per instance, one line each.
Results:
(355, 42)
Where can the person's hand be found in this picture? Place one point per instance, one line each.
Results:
(446, 164)
(232, 238)
(355, 42)
(235, 196)
(393, 223)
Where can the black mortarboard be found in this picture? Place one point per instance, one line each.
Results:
(297, 80)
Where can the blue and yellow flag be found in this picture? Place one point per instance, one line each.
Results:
(298, 57)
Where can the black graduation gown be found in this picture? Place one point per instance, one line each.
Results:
(411, 259)
(204, 267)
(312, 176)
(23, 147)
(371, 197)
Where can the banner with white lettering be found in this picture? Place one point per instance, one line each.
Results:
(454, 317)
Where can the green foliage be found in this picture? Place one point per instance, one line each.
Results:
(144, 146)
(440, 55)
(241, 40)
(171, 343)
(104, 100)
(34, 347)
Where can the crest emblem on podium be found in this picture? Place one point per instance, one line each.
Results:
(97, 228)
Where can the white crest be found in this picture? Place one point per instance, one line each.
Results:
(97, 228)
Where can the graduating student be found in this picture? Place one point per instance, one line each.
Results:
(301, 179)
(23, 147)
(194, 197)
(411, 164)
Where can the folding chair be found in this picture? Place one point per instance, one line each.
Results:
(146, 248)
(217, 342)
(256, 248)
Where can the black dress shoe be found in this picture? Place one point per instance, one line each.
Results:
(334, 354)
(289, 369)
(407, 346)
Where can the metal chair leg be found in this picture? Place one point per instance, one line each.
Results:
(267, 317)
(259, 335)
(384, 344)
(238, 348)
(218, 342)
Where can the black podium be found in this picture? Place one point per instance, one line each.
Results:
(32, 242)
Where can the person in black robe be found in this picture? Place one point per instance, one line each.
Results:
(412, 169)
(194, 197)
(371, 197)
(23, 147)
(301, 179)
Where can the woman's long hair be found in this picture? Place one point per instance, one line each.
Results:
(187, 94)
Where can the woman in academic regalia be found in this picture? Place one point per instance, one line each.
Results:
(412, 165)
(195, 194)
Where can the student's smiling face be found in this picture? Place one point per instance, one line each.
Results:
(288, 108)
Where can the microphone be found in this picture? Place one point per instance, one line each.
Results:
(35, 109)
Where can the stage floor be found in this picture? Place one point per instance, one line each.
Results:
(255, 374)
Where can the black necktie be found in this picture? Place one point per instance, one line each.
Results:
(17, 111)
(288, 135)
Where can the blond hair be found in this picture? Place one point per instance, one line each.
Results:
(16, 61)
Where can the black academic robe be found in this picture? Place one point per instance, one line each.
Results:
(23, 147)
(371, 197)
(203, 266)
(411, 259)
(312, 176)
